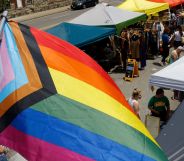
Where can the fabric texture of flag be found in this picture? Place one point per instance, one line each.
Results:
(57, 104)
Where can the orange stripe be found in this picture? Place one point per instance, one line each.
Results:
(70, 66)
(61, 46)
(34, 82)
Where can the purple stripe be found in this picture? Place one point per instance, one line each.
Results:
(37, 149)
(6, 65)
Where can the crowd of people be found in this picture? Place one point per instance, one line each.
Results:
(153, 41)
(149, 40)
(141, 41)
(158, 39)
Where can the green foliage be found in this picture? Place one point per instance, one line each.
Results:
(4, 4)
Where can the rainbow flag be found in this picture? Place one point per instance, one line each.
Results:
(57, 104)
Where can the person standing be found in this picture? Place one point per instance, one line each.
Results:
(158, 27)
(133, 101)
(178, 37)
(124, 48)
(134, 46)
(142, 51)
(165, 45)
(153, 43)
(159, 105)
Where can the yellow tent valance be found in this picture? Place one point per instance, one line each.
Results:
(144, 6)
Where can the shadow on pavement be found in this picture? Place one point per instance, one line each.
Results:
(157, 64)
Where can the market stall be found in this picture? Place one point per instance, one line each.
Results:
(144, 6)
(84, 34)
(108, 16)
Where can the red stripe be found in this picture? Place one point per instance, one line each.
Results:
(76, 54)
(67, 49)
(35, 149)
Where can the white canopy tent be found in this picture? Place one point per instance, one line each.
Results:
(171, 76)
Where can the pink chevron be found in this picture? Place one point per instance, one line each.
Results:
(6, 66)
(1, 70)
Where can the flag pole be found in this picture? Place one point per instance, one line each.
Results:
(3, 20)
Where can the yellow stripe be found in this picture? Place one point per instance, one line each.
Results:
(86, 94)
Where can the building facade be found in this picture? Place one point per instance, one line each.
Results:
(23, 7)
(17, 4)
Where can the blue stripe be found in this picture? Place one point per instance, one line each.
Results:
(16, 62)
(79, 140)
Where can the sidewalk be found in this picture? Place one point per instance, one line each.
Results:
(142, 83)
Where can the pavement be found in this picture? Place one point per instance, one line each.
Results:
(41, 14)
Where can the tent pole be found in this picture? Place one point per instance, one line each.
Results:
(3, 20)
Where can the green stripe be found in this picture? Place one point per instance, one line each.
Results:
(99, 123)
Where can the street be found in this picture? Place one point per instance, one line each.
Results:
(48, 21)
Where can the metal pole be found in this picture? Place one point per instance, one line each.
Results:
(3, 20)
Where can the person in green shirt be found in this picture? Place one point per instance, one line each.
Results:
(159, 105)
